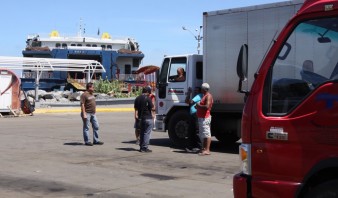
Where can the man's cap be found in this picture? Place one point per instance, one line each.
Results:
(146, 89)
(205, 86)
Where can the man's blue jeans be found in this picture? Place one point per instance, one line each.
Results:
(147, 126)
(91, 118)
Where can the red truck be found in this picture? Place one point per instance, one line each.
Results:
(290, 119)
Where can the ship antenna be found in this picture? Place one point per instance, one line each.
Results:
(80, 28)
(84, 29)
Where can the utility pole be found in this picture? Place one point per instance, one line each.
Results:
(198, 37)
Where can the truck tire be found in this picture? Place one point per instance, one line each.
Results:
(179, 127)
(327, 189)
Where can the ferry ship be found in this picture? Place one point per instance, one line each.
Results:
(121, 57)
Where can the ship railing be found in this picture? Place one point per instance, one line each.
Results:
(32, 74)
(120, 77)
(49, 74)
(47, 35)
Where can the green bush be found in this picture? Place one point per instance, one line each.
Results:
(116, 87)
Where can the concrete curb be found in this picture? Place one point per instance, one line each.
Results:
(78, 110)
(74, 107)
(99, 102)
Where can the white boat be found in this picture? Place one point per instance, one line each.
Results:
(121, 57)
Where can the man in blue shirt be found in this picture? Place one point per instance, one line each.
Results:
(194, 141)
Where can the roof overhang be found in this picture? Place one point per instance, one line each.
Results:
(51, 64)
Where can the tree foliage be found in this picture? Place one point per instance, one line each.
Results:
(116, 88)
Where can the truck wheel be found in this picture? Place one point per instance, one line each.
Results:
(325, 190)
(179, 127)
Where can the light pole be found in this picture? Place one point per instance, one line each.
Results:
(197, 37)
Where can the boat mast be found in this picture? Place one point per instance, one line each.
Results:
(81, 31)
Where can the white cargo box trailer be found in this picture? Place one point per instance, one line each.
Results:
(225, 32)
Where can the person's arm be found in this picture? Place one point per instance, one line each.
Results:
(136, 114)
(83, 108)
(187, 98)
(153, 102)
(180, 79)
(151, 105)
(136, 109)
(152, 98)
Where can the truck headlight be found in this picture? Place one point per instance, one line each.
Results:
(245, 158)
(160, 117)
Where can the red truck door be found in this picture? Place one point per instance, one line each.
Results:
(295, 113)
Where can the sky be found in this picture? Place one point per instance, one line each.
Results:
(155, 24)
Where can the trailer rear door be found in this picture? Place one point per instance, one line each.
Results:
(5, 98)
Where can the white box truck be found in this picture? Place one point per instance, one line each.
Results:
(225, 34)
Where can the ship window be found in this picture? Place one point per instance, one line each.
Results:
(94, 45)
(79, 45)
(103, 46)
(64, 45)
(88, 45)
(136, 62)
(109, 47)
(127, 69)
(72, 44)
(57, 45)
(36, 44)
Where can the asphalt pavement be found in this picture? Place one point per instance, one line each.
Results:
(44, 156)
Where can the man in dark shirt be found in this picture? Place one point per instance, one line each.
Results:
(143, 107)
(88, 110)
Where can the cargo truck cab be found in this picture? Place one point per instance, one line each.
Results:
(224, 32)
(172, 111)
(289, 124)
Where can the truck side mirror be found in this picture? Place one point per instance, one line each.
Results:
(157, 75)
(242, 67)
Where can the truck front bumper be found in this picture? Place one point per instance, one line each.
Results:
(159, 123)
(246, 186)
(240, 186)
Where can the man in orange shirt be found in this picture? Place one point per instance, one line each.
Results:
(204, 118)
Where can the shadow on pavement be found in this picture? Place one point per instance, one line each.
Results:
(184, 151)
(127, 149)
(216, 146)
(73, 144)
(129, 142)
(162, 142)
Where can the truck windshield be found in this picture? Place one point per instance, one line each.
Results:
(308, 59)
(164, 71)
